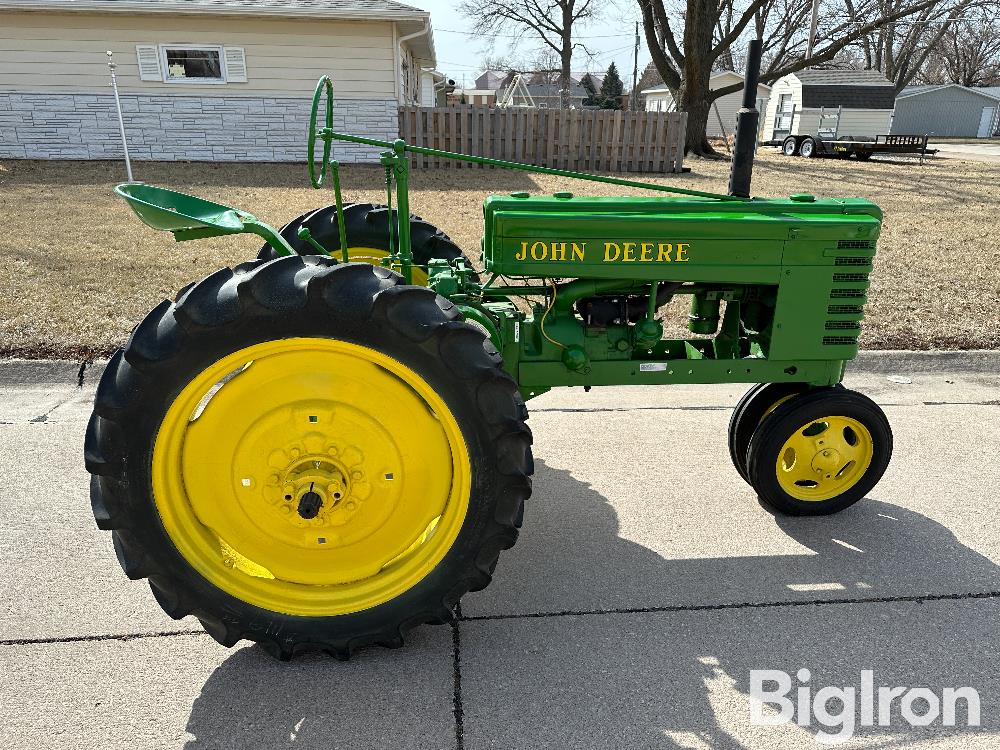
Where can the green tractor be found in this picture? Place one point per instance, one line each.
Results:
(327, 446)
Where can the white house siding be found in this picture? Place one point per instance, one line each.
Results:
(728, 105)
(55, 100)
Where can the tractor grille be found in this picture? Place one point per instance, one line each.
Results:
(840, 340)
(847, 298)
(853, 261)
(844, 309)
(855, 245)
(847, 293)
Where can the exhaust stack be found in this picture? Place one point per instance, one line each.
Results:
(746, 126)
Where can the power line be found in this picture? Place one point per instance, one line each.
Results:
(521, 36)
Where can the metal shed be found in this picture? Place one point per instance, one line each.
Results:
(948, 110)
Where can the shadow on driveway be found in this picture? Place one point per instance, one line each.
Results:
(664, 676)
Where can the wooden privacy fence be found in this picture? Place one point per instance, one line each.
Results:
(580, 140)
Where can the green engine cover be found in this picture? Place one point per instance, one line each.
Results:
(814, 255)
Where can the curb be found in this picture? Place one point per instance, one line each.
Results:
(34, 372)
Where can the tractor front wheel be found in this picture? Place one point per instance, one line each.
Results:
(309, 455)
(819, 452)
(367, 229)
(756, 404)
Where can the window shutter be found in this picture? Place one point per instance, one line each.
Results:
(149, 62)
(236, 65)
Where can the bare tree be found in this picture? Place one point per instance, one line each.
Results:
(968, 53)
(900, 49)
(552, 22)
(711, 32)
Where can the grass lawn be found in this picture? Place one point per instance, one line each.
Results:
(79, 270)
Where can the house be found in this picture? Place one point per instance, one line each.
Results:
(832, 103)
(219, 80)
(659, 99)
(545, 87)
(948, 110)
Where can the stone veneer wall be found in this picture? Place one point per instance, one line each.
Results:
(182, 128)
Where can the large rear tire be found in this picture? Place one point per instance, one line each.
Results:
(308, 455)
(367, 226)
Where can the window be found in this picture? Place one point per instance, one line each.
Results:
(192, 64)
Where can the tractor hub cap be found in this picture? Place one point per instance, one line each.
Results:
(311, 476)
(824, 458)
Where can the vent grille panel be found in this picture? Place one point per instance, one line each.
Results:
(855, 244)
(853, 261)
(844, 310)
(850, 277)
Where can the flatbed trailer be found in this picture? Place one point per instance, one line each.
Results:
(861, 148)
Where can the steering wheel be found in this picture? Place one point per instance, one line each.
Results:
(324, 84)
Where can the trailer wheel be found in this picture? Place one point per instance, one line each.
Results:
(807, 148)
(756, 404)
(367, 228)
(308, 455)
(819, 452)
(790, 146)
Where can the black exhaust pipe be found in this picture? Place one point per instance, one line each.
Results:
(746, 126)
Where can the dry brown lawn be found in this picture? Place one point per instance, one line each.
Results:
(79, 270)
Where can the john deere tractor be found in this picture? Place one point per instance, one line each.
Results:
(326, 446)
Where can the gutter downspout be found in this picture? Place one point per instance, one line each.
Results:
(399, 58)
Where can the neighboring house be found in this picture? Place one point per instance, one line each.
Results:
(659, 99)
(808, 102)
(543, 86)
(948, 110)
(205, 79)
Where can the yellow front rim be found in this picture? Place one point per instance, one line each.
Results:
(824, 458)
(251, 436)
(375, 256)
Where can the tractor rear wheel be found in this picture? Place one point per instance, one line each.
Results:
(308, 455)
(367, 228)
(819, 452)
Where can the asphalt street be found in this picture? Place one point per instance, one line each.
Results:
(647, 585)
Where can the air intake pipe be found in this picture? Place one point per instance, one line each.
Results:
(746, 126)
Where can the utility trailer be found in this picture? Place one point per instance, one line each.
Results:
(861, 148)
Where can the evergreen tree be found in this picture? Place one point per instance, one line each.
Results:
(611, 89)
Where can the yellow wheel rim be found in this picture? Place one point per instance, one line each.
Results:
(824, 458)
(375, 256)
(249, 437)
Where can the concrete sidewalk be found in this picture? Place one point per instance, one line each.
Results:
(647, 584)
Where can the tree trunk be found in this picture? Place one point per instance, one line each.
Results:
(694, 92)
(564, 77)
(695, 140)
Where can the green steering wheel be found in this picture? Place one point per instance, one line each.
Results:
(324, 84)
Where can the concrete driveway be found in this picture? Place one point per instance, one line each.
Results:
(987, 151)
(647, 584)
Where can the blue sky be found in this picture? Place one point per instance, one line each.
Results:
(459, 52)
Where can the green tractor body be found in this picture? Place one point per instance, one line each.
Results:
(777, 288)
(310, 452)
